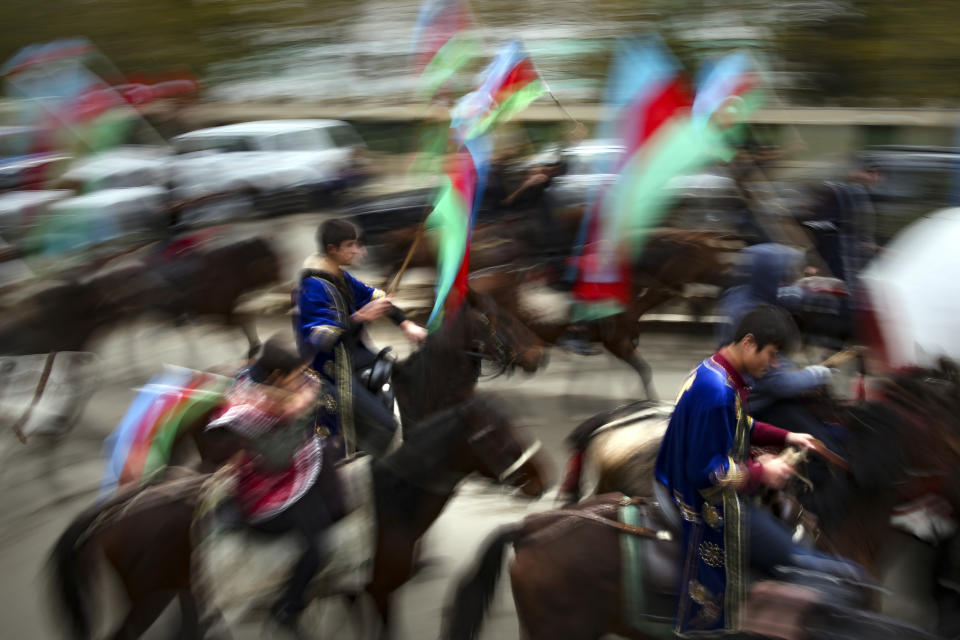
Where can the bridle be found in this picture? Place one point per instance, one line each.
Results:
(504, 354)
(487, 449)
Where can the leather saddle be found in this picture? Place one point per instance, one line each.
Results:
(660, 559)
(377, 377)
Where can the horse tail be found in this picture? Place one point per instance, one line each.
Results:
(473, 596)
(69, 561)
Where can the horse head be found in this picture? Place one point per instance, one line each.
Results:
(501, 337)
(496, 452)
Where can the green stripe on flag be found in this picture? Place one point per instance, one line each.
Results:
(448, 221)
(510, 107)
(455, 53)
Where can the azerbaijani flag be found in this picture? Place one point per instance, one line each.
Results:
(645, 94)
(510, 84)
(143, 441)
(442, 42)
(451, 221)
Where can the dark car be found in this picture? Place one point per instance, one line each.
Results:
(913, 182)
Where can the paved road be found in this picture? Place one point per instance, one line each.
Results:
(45, 485)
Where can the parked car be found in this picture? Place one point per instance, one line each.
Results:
(20, 211)
(329, 152)
(913, 182)
(21, 166)
(108, 217)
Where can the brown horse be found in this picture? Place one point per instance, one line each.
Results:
(566, 575)
(442, 373)
(208, 281)
(671, 259)
(146, 534)
(65, 315)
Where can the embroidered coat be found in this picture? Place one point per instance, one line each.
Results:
(329, 340)
(704, 456)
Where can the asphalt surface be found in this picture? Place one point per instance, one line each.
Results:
(45, 483)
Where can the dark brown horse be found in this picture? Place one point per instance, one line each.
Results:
(671, 259)
(146, 534)
(66, 315)
(441, 374)
(566, 575)
(208, 281)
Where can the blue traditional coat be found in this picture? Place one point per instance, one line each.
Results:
(322, 326)
(702, 458)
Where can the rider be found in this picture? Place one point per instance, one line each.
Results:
(767, 270)
(704, 468)
(332, 309)
(282, 485)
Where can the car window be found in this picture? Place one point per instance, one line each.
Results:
(304, 140)
(602, 162)
(227, 144)
(344, 136)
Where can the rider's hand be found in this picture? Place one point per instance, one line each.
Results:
(803, 441)
(373, 310)
(821, 373)
(414, 332)
(775, 473)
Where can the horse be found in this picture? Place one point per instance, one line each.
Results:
(209, 281)
(145, 534)
(571, 585)
(671, 259)
(448, 364)
(443, 372)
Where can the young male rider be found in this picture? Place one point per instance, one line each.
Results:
(332, 310)
(704, 469)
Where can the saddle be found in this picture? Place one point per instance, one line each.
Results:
(376, 378)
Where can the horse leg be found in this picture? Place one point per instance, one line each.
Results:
(143, 613)
(249, 328)
(625, 349)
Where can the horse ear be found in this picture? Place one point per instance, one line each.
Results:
(950, 370)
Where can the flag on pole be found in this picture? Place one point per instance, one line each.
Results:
(644, 94)
(510, 83)
(666, 134)
(507, 86)
(143, 441)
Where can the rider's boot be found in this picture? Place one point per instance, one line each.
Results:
(576, 339)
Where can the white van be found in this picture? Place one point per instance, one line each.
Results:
(331, 150)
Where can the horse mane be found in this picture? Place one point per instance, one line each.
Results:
(439, 363)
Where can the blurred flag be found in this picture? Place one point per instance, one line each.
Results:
(507, 86)
(73, 104)
(510, 83)
(143, 441)
(665, 135)
(451, 221)
(645, 95)
(442, 42)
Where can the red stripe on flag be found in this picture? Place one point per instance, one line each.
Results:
(653, 111)
(520, 76)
